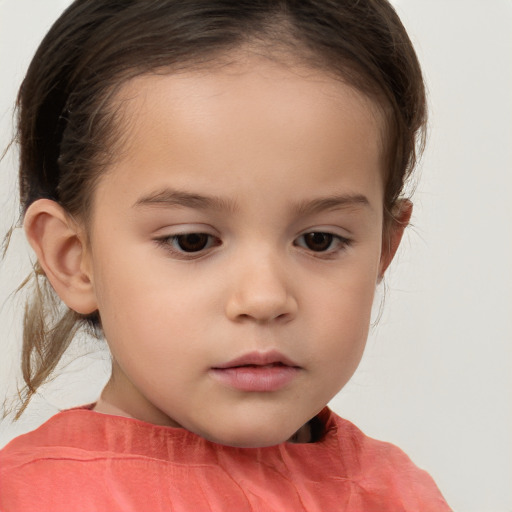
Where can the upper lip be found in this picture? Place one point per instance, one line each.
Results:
(258, 359)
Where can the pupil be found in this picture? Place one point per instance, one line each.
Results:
(318, 241)
(192, 242)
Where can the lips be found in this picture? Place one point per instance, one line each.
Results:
(259, 359)
(257, 372)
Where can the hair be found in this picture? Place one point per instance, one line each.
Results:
(67, 121)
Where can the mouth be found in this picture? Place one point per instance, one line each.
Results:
(259, 359)
(257, 372)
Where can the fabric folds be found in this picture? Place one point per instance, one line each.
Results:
(82, 460)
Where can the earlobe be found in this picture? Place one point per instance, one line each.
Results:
(60, 249)
(393, 233)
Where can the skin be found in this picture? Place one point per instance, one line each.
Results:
(283, 151)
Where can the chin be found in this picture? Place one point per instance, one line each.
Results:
(249, 438)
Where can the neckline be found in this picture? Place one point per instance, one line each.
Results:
(82, 434)
(321, 424)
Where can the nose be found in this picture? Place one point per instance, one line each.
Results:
(260, 291)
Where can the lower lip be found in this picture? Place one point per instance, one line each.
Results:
(256, 378)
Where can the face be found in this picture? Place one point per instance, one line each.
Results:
(235, 246)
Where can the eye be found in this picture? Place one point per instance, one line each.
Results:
(189, 242)
(318, 241)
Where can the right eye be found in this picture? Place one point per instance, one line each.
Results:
(189, 242)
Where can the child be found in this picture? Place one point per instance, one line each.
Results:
(216, 187)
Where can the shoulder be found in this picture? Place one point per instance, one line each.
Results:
(65, 429)
(384, 471)
(367, 453)
(33, 463)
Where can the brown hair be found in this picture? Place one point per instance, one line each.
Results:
(66, 122)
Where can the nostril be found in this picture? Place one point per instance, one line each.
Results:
(264, 318)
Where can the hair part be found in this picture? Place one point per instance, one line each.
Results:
(67, 120)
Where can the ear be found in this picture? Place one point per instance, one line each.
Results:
(60, 248)
(401, 215)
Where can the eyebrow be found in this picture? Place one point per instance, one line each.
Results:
(170, 198)
(334, 202)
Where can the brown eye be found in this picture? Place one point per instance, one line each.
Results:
(318, 242)
(192, 242)
(188, 245)
(323, 242)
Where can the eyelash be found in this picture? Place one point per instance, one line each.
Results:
(341, 243)
(169, 243)
(172, 244)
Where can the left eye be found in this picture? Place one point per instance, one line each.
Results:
(318, 241)
(190, 242)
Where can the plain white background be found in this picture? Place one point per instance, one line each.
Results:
(436, 378)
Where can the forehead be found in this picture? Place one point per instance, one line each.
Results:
(257, 88)
(248, 122)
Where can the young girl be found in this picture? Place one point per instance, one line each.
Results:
(215, 186)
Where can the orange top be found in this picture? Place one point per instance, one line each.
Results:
(81, 460)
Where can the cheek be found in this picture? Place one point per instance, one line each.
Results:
(346, 327)
(148, 307)
(345, 319)
(343, 307)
